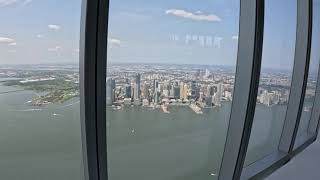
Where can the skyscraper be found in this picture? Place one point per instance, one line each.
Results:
(176, 93)
(210, 90)
(110, 87)
(156, 98)
(132, 90)
(145, 92)
(172, 91)
(155, 86)
(185, 92)
(137, 86)
(218, 95)
(181, 90)
(207, 73)
(127, 91)
(156, 92)
(193, 89)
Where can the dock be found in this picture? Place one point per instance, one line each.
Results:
(165, 109)
(196, 108)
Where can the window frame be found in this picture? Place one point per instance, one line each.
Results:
(268, 164)
(93, 56)
(312, 132)
(299, 76)
(93, 46)
(245, 88)
(315, 117)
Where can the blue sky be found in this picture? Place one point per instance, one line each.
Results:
(170, 31)
(39, 31)
(179, 31)
(156, 31)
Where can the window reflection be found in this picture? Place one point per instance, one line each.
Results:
(275, 78)
(313, 72)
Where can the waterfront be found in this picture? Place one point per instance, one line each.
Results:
(142, 143)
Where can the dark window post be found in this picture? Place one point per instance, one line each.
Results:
(93, 47)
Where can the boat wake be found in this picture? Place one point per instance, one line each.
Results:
(55, 114)
(28, 102)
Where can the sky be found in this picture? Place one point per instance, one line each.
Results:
(39, 31)
(178, 31)
(151, 31)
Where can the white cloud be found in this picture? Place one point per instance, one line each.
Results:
(235, 37)
(12, 44)
(114, 42)
(54, 49)
(26, 2)
(5, 3)
(40, 36)
(6, 40)
(197, 16)
(54, 27)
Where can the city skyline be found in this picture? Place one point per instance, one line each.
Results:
(199, 87)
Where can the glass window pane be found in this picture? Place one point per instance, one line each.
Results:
(275, 79)
(40, 134)
(313, 71)
(170, 78)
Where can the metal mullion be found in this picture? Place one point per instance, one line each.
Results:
(102, 41)
(299, 76)
(93, 42)
(246, 87)
(315, 116)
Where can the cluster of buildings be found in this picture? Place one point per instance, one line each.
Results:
(273, 97)
(270, 98)
(162, 85)
(274, 89)
(148, 91)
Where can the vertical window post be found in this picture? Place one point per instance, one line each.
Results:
(314, 122)
(246, 87)
(93, 46)
(299, 76)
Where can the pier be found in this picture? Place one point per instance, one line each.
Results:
(165, 109)
(196, 108)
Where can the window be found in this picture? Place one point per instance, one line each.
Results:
(39, 90)
(312, 75)
(170, 78)
(165, 91)
(275, 79)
